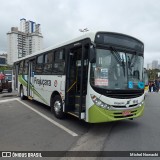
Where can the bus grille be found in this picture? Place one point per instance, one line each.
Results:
(124, 95)
(125, 106)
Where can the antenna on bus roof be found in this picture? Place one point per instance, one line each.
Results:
(84, 30)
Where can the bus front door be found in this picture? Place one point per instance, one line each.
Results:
(30, 79)
(76, 81)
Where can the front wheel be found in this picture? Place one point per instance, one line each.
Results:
(57, 107)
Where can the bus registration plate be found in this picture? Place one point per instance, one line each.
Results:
(126, 113)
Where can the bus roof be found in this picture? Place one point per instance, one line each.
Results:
(90, 35)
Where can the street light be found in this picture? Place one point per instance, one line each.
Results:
(84, 30)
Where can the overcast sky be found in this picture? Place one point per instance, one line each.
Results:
(61, 20)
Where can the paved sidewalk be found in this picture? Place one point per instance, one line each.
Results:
(6, 94)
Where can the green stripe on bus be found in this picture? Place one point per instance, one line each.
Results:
(24, 83)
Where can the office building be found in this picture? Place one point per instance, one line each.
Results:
(155, 64)
(23, 41)
(149, 66)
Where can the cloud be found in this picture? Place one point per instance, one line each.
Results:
(61, 20)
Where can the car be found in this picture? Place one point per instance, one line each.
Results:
(5, 82)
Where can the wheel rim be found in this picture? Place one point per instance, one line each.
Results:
(57, 106)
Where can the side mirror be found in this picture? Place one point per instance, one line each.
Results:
(92, 54)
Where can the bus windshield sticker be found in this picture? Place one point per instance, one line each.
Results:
(104, 72)
(101, 82)
(130, 84)
(141, 85)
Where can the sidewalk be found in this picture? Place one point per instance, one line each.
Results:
(6, 94)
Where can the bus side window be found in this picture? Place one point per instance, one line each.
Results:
(20, 68)
(59, 62)
(39, 65)
(34, 65)
(25, 69)
(48, 63)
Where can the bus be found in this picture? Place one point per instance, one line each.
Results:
(146, 81)
(97, 77)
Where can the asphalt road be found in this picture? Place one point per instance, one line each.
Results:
(23, 129)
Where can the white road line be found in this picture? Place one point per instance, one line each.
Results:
(49, 119)
(8, 100)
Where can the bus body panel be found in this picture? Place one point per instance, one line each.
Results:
(41, 87)
(96, 114)
(44, 86)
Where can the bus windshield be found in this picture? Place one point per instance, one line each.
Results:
(146, 79)
(117, 70)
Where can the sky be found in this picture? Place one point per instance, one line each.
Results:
(61, 20)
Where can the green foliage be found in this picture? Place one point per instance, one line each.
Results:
(2, 68)
(153, 74)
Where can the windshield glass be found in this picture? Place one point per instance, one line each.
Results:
(8, 77)
(117, 70)
(146, 78)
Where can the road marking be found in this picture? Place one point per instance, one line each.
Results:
(42, 115)
(8, 100)
(49, 119)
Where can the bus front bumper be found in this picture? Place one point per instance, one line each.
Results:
(97, 114)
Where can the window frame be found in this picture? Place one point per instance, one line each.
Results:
(49, 70)
(40, 65)
(59, 62)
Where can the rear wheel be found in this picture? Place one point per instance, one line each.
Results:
(22, 93)
(57, 107)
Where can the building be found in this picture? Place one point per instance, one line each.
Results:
(149, 66)
(155, 64)
(27, 40)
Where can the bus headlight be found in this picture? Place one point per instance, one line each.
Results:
(99, 103)
(140, 104)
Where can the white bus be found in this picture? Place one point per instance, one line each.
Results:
(97, 77)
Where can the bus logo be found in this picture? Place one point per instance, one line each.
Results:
(43, 82)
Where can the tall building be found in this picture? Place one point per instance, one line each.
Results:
(149, 66)
(155, 64)
(27, 40)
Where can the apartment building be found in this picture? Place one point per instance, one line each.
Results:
(23, 41)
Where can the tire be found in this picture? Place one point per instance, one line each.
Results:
(57, 107)
(1, 90)
(9, 90)
(22, 93)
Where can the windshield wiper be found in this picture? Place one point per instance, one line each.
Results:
(134, 56)
(116, 55)
(118, 58)
(132, 61)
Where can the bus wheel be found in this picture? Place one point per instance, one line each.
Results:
(57, 107)
(22, 93)
(1, 90)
